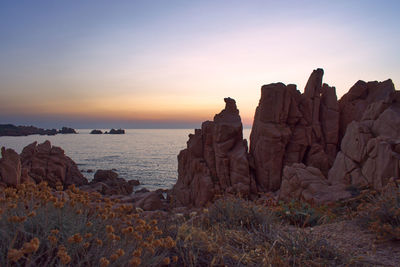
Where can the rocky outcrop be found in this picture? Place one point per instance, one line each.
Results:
(66, 130)
(370, 149)
(45, 162)
(107, 182)
(290, 127)
(215, 160)
(10, 167)
(305, 146)
(353, 104)
(114, 131)
(38, 163)
(96, 132)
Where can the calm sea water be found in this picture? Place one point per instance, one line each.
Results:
(147, 155)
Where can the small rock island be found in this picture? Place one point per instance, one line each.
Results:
(95, 131)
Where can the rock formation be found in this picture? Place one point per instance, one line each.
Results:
(290, 127)
(96, 132)
(114, 131)
(45, 162)
(37, 163)
(215, 160)
(66, 130)
(360, 96)
(306, 146)
(370, 148)
(107, 182)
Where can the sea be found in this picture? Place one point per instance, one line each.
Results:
(147, 155)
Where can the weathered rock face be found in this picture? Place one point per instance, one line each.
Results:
(215, 160)
(309, 184)
(290, 127)
(10, 167)
(353, 104)
(45, 162)
(370, 148)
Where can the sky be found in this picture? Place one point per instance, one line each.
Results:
(169, 64)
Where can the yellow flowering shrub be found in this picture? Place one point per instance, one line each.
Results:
(41, 226)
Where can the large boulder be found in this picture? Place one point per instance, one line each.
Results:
(300, 182)
(45, 162)
(10, 167)
(107, 182)
(148, 201)
(215, 161)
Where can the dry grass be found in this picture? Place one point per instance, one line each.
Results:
(40, 226)
(381, 212)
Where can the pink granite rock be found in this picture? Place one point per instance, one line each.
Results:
(290, 127)
(369, 150)
(215, 161)
(353, 104)
(45, 162)
(309, 184)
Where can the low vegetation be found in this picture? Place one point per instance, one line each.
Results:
(39, 227)
(381, 212)
(67, 227)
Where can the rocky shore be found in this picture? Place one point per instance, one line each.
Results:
(318, 186)
(303, 146)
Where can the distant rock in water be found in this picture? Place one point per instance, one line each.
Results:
(96, 132)
(114, 131)
(66, 130)
(12, 130)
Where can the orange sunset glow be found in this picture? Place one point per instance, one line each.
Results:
(134, 62)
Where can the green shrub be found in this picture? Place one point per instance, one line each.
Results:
(303, 214)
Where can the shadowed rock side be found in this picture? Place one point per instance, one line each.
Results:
(290, 127)
(10, 167)
(215, 160)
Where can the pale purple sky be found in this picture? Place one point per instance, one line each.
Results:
(170, 63)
